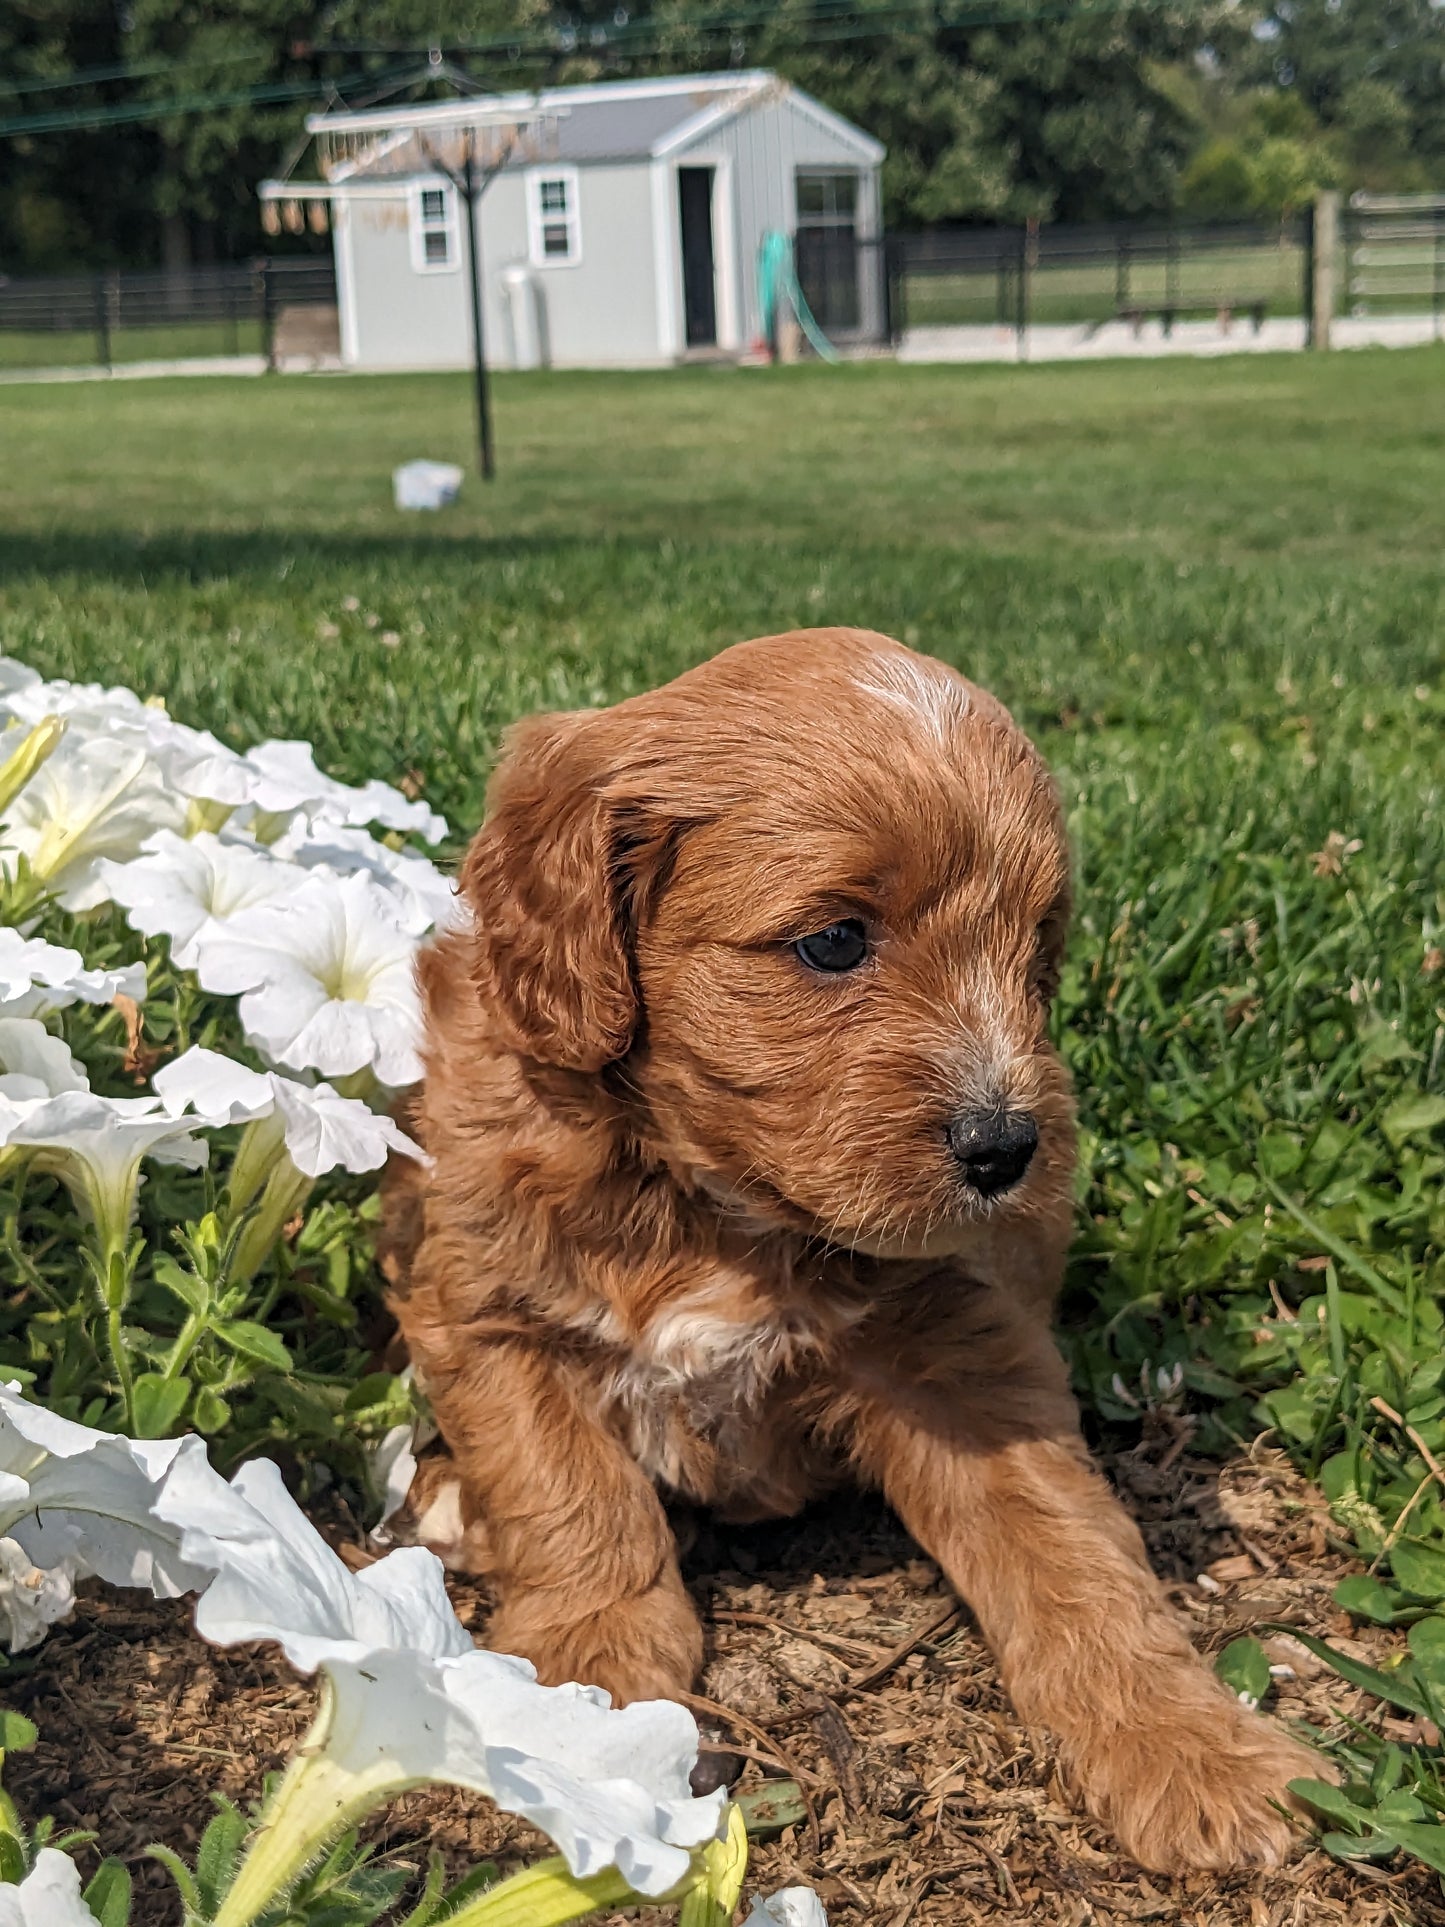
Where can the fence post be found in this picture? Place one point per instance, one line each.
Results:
(1435, 287)
(268, 315)
(102, 323)
(1028, 261)
(1171, 280)
(1121, 271)
(894, 320)
(1324, 237)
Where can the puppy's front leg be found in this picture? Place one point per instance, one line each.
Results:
(582, 1554)
(994, 1481)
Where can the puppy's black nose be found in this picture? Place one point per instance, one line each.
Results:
(994, 1148)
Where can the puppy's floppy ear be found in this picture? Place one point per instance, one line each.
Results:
(550, 955)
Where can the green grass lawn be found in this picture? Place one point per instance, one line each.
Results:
(165, 341)
(1212, 590)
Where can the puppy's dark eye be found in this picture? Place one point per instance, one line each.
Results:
(842, 946)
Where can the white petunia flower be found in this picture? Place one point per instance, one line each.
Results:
(48, 1896)
(278, 1579)
(83, 1502)
(280, 780)
(96, 797)
(177, 749)
(322, 1131)
(22, 751)
(187, 888)
(788, 1907)
(406, 1698)
(95, 1146)
(15, 677)
(428, 895)
(392, 1469)
(325, 979)
(93, 706)
(391, 1463)
(37, 977)
(31, 1601)
(378, 802)
(34, 1066)
(409, 1700)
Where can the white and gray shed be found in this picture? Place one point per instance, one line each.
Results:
(622, 227)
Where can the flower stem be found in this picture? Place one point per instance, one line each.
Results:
(186, 1341)
(317, 1799)
(713, 1901)
(261, 1144)
(112, 1268)
(545, 1896)
(287, 1189)
(115, 1345)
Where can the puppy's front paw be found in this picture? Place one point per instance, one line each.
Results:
(1201, 1787)
(644, 1648)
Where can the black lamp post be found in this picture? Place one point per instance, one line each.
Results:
(471, 194)
(471, 183)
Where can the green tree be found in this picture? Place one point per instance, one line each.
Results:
(1372, 72)
(1220, 182)
(1063, 116)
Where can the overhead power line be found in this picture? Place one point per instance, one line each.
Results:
(124, 114)
(636, 40)
(127, 70)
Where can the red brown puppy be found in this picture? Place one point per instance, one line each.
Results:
(751, 1175)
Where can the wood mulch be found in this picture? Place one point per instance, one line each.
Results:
(835, 1654)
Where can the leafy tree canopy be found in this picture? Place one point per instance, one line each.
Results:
(133, 131)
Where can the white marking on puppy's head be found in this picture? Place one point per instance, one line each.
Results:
(924, 690)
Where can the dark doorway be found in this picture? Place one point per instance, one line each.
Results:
(699, 297)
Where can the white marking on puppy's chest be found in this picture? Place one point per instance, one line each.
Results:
(688, 1345)
(698, 1372)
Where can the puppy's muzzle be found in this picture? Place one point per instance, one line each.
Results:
(993, 1148)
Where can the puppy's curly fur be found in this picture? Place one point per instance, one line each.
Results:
(694, 1219)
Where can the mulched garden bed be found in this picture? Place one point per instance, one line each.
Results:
(835, 1655)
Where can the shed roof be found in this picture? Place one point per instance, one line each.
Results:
(616, 120)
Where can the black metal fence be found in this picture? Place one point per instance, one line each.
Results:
(101, 320)
(1019, 277)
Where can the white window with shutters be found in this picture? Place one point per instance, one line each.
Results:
(435, 242)
(554, 224)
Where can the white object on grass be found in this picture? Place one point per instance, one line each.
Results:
(426, 485)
